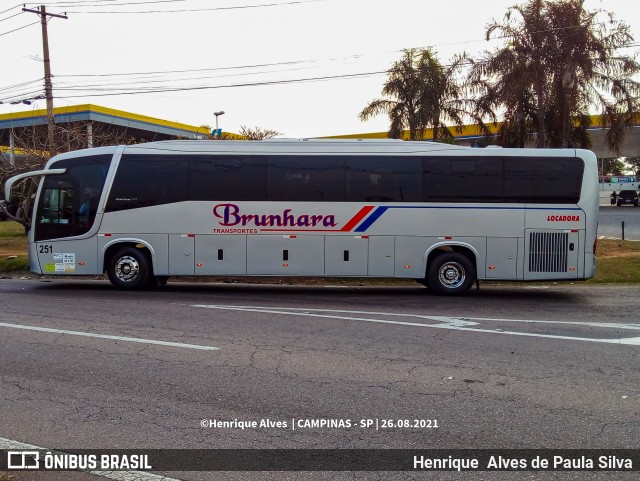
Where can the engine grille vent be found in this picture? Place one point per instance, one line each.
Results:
(548, 251)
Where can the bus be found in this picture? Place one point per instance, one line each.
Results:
(445, 215)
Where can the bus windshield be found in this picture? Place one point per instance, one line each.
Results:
(68, 202)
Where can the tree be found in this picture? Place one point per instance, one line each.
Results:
(442, 100)
(257, 133)
(590, 69)
(420, 92)
(558, 62)
(613, 167)
(23, 192)
(634, 163)
(32, 146)
(512, 78)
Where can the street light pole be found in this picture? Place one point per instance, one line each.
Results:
(218, 114)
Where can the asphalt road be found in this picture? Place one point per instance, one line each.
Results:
(610, 222)
(504, 367)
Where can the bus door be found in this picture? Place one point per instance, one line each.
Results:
(65, 214)
(551, 254)
(60, 215)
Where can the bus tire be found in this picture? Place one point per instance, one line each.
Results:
(129, 268)
(450, 274)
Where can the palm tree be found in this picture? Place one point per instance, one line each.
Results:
(442, 95)
(590, 70)
(558, 62)
(403, 87)
(512, 78)
(501, 82)
(420, 92)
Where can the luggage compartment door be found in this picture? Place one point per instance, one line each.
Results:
(346, 255)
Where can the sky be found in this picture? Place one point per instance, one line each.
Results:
(303, 68)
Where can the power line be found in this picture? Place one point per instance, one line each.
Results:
(11, 16)
(19, 28)
(132, 85)
(294, 62)
(154, 73)
(156, 80)
(92, 3)
(236, 7)
(211, 87)
(26, 100)
(15, 6)
(16, 86)
(157, 72)
(130, 76)
(22, 94)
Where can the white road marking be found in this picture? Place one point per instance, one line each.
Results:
(11, 444)
(616, 238)
(444, 322)
(105, 336)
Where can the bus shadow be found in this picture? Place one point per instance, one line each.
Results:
(320, 291)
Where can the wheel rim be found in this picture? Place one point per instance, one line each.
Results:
(451, 275)
(127, 269)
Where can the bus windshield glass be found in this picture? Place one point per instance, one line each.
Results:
(68, 202)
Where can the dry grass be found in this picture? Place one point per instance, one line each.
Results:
(13, 248)
(13, 241)
(618, 262)
(618, 248)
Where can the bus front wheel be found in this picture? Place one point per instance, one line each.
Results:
(451, 274)
(129, 268)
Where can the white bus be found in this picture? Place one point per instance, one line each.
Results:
(447, 216)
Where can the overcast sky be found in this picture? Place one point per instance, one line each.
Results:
(253, 59)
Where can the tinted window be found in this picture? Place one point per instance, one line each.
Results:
(383, 179)
(229, 177)
(145, 180)
(449, 179)
(68, 202)
(542, 180)
(503, 179)
(303, 178)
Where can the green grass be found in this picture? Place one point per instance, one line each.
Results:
(618, 261)
(13, 247)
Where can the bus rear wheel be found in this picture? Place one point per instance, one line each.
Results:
(451, 274)
(129, 268)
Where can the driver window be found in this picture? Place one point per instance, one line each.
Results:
(55, 215)
(57, 207)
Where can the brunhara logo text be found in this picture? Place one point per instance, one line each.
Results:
(230, 215)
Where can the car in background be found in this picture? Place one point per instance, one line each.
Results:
(626, 197)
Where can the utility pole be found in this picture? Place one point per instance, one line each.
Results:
(48, 89)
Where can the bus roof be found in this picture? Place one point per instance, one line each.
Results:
(334, 146)
(321, 147)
